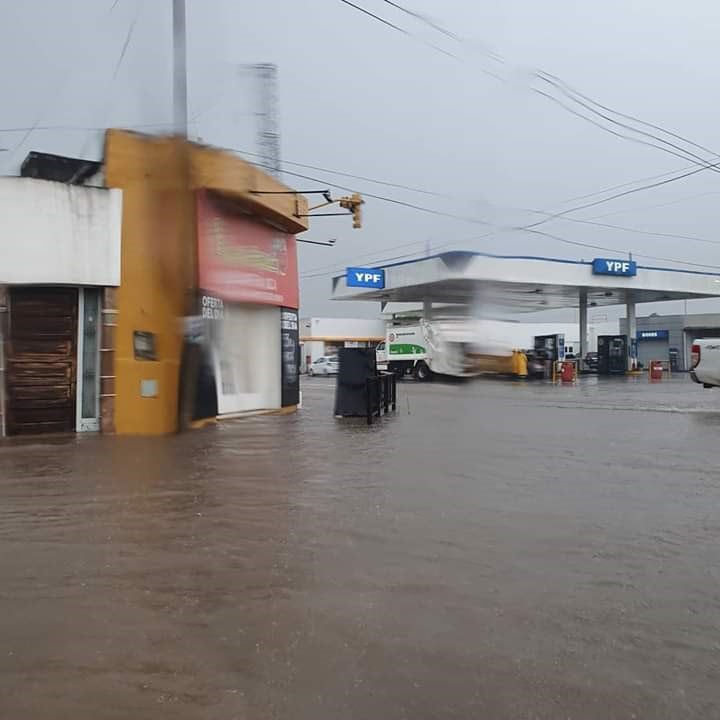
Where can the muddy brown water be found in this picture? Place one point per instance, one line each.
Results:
(495, 550)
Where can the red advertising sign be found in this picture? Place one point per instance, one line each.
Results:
(242, 260)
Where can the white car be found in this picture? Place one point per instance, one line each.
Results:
(705, 358)
(325, 365)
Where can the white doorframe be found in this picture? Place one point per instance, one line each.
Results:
(86, 424)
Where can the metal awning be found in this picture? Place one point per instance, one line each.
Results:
(525, 283)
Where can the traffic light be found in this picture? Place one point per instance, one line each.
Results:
(353, 204)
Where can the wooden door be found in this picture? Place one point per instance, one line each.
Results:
(41, 360)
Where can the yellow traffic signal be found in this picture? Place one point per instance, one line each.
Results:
(356, 212)
(353, 204)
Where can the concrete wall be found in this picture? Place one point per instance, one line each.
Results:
(53, 233)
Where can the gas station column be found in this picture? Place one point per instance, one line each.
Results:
(632, 333)
(583, 324)
(427, 309)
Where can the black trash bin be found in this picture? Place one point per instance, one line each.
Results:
(357, 366)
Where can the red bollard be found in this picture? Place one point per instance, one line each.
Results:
(567, 372)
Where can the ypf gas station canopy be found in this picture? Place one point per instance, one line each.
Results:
(522, 283)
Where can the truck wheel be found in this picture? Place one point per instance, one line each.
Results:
(422, 372)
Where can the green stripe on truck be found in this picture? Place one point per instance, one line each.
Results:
(406, 349)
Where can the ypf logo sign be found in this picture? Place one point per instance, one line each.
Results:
(365, 278)
(607, 266)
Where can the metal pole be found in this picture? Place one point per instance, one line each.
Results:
(368, 402)
(180, 117)
(583, 325)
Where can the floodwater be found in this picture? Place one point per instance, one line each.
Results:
(494, 550)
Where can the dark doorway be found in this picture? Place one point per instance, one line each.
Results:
(41, 360)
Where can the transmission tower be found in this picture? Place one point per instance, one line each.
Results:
(268, 134)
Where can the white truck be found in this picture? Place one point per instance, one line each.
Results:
(705, 362)
(454, 346)
(430, 347)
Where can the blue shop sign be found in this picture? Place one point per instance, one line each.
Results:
(653, 334)
(609, 266)
(365, 278)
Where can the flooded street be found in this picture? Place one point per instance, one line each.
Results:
(494, 550)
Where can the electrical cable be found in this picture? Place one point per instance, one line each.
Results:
(365, 178)
(608, 249)
(80, 128)
(384, 198)
(531, 227)
(399, 29)
(425, 19)
(682, 152)
(376, 17)
(29, 130)
(573, 94)
(677, 201)
(649, 186)
(570, 89)
(118, 65)
(550, 216)
(625, 184)
(673, 236)
(577, 243)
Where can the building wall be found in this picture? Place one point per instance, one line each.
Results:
(312, 349)
(682, 330)
(158, 177)
(53, 233)
(323, 336)
(342, 328)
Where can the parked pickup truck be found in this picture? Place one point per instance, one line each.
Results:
(705, 362)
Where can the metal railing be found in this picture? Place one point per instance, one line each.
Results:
(380, 395)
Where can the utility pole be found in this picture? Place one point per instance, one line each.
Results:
(180, 113)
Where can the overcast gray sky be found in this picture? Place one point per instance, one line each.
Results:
(363, 98)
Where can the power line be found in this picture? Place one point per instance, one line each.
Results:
(80, 128)
(128, 38)
(118, 65)
(576, 243)
(573, 94)
(619, 195)
(399, 29)
(657, 205)
(550, 216)
(425, 19)
(531, 227)
(384, 198)
(570, 89)
(666, 144)
(543, 212)
(625, 184)
(29, 130)
(376, 17)
(682, 153)
(365, 178)
(312, 274)
(638, 231)
(609, 249)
